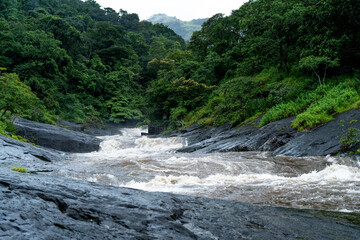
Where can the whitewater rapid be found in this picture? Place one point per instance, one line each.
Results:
(152, 164)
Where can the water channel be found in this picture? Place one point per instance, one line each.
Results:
(152, 164)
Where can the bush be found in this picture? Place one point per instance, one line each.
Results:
(295, 107)
(336, 100)
(350, 139)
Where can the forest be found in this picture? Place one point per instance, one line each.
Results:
(73, 60)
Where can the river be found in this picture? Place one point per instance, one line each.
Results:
(152, 164)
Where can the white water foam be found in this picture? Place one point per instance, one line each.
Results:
(151, 164)
(333, 174)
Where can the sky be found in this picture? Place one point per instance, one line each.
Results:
(182, 9)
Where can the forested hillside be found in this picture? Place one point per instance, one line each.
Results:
(183, 28)
(275, 59)
(81, 62)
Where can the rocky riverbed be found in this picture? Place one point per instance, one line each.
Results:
(44, 206)
(38, 206)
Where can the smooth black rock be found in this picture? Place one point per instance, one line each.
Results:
(56, 137)
(323, 140)
(48, 207)
(278, 137)
(71, 126)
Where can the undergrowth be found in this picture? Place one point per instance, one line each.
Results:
(317, 106)
(240, 99)
(7, 129)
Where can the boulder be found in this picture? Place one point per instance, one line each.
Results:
(56, 137)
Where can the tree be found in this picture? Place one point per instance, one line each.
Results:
(319, 65)
(15, 96)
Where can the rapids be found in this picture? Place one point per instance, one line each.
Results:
(152, 164)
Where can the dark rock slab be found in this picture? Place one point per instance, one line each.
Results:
(104, 129)
(245, 138)
(13, 151)
(49, 207)
(277, 137)
(267, 138)
(323, 140)
(55, 137)
(71, 126)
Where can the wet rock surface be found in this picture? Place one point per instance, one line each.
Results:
(41, 206)
(13, 153)
(323, 140)
(56, 137)
(46, 207)
(278, 137)
(104, 129)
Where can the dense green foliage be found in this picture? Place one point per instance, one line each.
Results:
(273, 59)
(82, 62)
(184, 28)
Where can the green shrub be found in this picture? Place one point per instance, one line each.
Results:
(176, 117)
(336, 100)
(294, 108)
(350, 139)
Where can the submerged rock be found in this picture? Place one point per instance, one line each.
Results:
(56, 137)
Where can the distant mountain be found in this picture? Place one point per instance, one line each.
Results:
(182, 28)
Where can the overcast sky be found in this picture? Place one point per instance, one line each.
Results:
(182, 9)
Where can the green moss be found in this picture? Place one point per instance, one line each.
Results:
(19, 169)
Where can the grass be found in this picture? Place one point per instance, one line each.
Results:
(7, 129)
(315, 107)
(336, 100)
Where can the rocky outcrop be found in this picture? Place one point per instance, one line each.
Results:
(323, 140)
(13, 152)
(56, 137)
(278, 137)
(104, 129)
(46, 207)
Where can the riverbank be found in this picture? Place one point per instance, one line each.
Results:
(278, 137)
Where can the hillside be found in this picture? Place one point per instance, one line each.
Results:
(183, 28)
(73, 60)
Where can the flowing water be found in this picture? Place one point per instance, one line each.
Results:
(151, 164)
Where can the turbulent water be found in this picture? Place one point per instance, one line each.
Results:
(151, 164)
